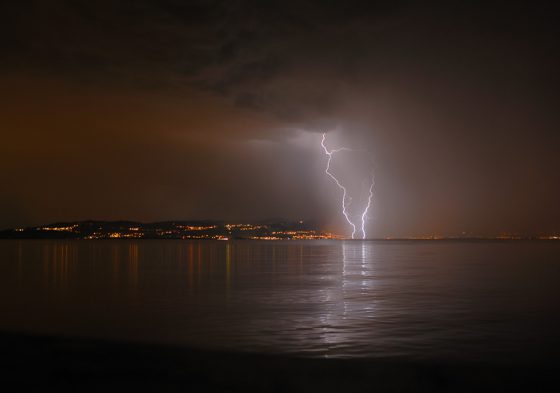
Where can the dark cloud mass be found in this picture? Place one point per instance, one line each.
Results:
(154, 110)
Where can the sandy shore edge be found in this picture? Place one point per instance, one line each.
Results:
(74, 364)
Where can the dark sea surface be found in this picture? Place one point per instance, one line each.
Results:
(420, 300)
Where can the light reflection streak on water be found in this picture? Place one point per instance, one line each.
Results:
(56, 260)
(350, 296)
(133, 265)
(324, 298)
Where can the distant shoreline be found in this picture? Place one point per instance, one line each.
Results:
(401, 239)
(474, 239)
(273, 229)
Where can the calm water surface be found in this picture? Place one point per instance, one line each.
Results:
(491, 301)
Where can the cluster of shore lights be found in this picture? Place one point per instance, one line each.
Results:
(244, 227)
(60, 229)
(196, 227)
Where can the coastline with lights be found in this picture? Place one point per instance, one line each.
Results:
(216, 230)
(202, 230)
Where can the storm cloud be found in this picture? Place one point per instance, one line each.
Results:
(153, 110)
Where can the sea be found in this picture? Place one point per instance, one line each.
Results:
(474, 301)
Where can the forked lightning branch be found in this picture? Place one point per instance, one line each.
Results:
(346, 199)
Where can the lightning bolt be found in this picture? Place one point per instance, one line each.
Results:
(344, 204)
(346, 200)
(364, 214)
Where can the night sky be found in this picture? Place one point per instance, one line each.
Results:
(163, 110)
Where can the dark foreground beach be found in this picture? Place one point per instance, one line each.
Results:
(83, 365)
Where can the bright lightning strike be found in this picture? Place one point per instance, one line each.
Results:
(346, 200)
(344, 204)
(364, 214)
